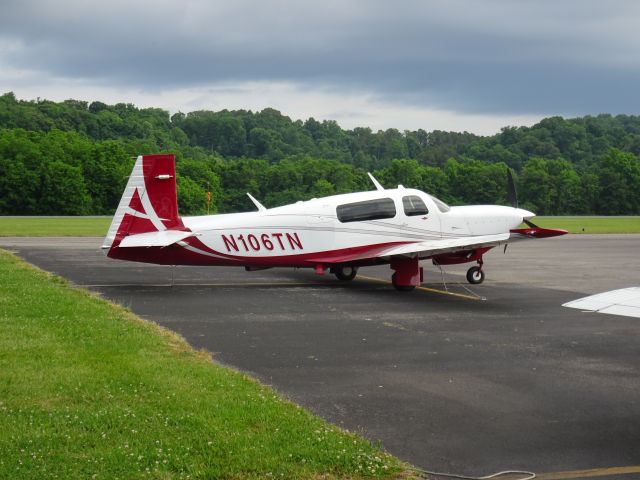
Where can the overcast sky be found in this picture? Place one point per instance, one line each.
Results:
(474, 65)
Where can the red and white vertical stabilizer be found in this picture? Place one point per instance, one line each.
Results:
(148, 211)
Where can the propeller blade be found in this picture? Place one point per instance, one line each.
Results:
(512, 194)
(530, 224)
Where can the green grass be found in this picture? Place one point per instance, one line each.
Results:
(88, 390)
(591, 224)
(98, 226)
(54, 226)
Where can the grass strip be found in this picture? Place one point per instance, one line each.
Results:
(591, 224)
(98, 226)
(88, 390)
(54, 226)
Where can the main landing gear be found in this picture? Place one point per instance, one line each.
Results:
(401, 288)
(407, 274)
(475, 275)
(345, 274)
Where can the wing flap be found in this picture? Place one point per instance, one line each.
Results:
(154, 239)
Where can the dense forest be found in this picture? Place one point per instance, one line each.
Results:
(74, 157)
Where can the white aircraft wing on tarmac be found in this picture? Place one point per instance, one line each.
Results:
(625, 301)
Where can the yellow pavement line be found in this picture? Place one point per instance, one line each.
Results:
(453, 294)
(178, 284)
(595, 472)
(271, 284)
(425, 289)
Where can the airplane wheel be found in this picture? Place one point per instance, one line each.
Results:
(475, 275)
(346, 274)
(401, 288)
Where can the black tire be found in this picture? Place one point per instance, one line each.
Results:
(475, 276)
(346, 274)
(401, 288)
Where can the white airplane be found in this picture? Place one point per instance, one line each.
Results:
(340, 233)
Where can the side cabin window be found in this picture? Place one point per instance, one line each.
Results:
(367, 210)
(413, 206)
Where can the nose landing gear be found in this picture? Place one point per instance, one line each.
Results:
(475, 275)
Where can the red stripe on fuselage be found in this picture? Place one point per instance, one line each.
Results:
(179, 255)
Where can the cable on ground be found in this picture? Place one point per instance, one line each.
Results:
(525, 475)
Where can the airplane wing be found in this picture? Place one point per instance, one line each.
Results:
(432, 248)
(625, 301)
(424, 249)
(163, 238)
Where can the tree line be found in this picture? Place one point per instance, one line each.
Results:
(74, 158)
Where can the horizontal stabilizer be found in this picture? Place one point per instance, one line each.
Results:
(155, 239)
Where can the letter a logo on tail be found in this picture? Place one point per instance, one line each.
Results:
(149, 202)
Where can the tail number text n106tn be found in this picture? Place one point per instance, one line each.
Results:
(266, 241)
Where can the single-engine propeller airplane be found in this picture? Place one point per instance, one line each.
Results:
(340, 233)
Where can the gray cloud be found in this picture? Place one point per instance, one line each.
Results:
(491, 57)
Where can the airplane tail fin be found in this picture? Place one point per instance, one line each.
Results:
(149, 202)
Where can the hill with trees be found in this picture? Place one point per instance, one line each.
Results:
(74, 157)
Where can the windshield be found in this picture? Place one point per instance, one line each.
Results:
(443, 207)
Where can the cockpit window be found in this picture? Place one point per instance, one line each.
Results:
(443, 207)
(413, 205)
(367, 210)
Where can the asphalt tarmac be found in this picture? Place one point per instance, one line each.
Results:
(491, 377)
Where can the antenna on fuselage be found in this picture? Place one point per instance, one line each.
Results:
(512, 198)
(512, 193)
(375, 182)
(260, 207)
